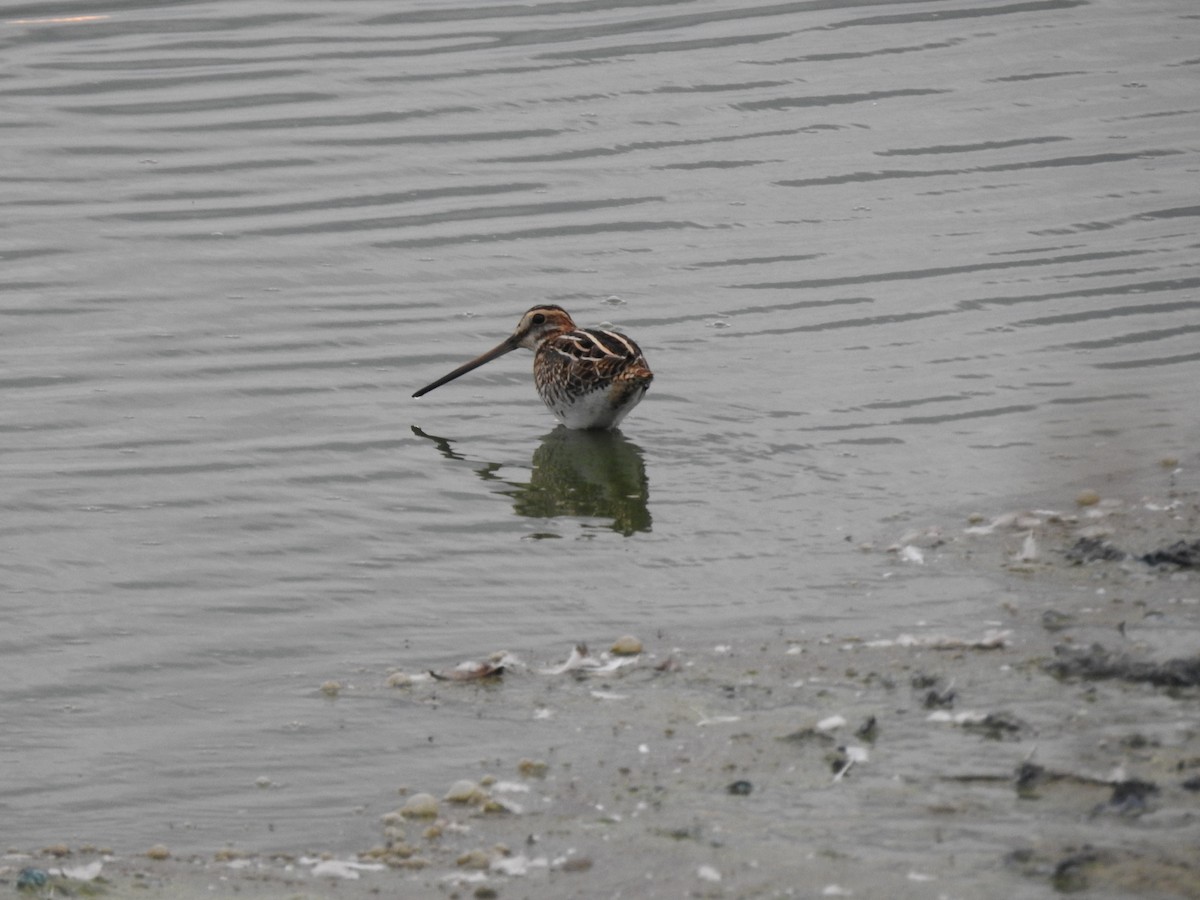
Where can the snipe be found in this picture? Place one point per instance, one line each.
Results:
(588, 377)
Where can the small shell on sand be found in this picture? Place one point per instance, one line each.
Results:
(420, 806)
(158, 851)
(626, 645)
(471, 671)
(1087, 498)
(331, 688)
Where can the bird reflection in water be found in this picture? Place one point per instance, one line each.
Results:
(584, 474)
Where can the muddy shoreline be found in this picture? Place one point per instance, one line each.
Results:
(1052, 747)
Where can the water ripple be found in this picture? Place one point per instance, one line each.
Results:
(884, 258)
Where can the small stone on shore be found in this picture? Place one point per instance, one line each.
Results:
(533, 768)
(420, 806)
(466, 791)
(626, 645)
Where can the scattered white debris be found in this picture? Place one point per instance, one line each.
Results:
(465, 877)
(583, 662)
(921, 876)
(87, 872)
(831, 723)
(1007, 520)
(911, 554)
(708, 873)
(405, 679)
(1029, 550)
(836, 890)
(959, 718)
(579, 661)
(504, 804)
(1020, 521)
(923, 537)
(340, 868)
(719, 720)
(510, 787)
(475, 670)
(903, 640)
(518, 865)
(608, 695)
(993, 639)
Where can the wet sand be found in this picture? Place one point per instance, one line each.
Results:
(1053, 747)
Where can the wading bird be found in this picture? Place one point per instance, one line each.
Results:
(588, 377)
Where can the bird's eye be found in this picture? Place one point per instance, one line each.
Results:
(539, 319)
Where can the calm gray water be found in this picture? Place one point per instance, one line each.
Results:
(885, 258)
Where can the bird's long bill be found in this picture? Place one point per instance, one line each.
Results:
(507, 347)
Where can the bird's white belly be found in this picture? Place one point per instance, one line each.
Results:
(591, 410)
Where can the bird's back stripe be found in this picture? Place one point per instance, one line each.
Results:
(612, 343)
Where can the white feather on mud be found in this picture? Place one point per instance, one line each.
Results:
(582, 662)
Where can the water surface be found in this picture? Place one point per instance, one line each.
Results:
(885, 258)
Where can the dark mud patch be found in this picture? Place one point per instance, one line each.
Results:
(1090, 549)
(1097, 663)
(1184, 554)
(1181, 554)
(1113, 871)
